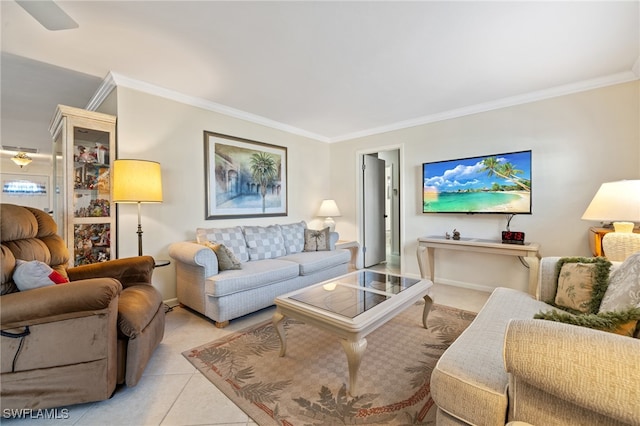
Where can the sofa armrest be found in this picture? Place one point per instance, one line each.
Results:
(58, 302)
(196, 255)
(129, 271)
(333, 239)
(547, 283)
(589, 368)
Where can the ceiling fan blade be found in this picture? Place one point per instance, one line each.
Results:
(49, 14)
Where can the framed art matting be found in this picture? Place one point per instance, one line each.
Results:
(244, 178)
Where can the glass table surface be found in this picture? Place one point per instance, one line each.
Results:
(353, 294)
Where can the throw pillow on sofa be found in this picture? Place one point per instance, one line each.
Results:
(582, 283)
(232, 238)
(35, 274)
(317, 240)
(264, 242)
(293, 235)
(226, 259)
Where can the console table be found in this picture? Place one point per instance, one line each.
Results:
(527, 252)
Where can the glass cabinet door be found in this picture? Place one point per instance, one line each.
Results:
(84, 146)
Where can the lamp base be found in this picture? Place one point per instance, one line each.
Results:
(329, 223)
(623, 226)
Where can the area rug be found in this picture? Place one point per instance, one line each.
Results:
(308, 386)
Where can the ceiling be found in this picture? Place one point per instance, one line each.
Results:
(330, 70)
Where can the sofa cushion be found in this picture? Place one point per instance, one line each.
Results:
(624, 286)
(254, 274)
(293, 235)
(314, 261)
(232, 237)
(264, 242)
(315, 240)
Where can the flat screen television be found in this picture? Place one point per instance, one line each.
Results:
(499, 183)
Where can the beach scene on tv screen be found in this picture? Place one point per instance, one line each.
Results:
(488, 184)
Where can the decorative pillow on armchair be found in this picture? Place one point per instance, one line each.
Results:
(317, 240)
(623, 291)
(582, 283)
(618, 322)
(35, 274)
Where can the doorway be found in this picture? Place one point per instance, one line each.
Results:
(380, 207)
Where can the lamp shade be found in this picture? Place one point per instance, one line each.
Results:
(615, 201)
(136, 181)
(328, 208)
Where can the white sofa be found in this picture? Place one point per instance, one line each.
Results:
(508, 367)
(272, 262)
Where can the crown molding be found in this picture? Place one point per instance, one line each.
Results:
(124, 81)
(106, 87)
(112, 80)
(539, 95)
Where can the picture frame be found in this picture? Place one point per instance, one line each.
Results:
(244, 178)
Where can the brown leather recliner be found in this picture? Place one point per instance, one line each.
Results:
(71, 343)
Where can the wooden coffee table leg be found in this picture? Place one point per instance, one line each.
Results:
(428, 302)
(354, 351)
(279, 326)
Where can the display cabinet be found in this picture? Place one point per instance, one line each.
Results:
(83, 151)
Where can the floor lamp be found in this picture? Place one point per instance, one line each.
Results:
(137, 181)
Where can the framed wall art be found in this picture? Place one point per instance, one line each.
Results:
(244, 178)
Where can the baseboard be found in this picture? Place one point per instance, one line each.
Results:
(172, 302)
(463, 284)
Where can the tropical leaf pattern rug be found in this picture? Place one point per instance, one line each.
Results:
(308, 386)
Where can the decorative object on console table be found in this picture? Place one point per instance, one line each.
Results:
(615, 204)
(512, 237)
(137, 181)
(329, 210)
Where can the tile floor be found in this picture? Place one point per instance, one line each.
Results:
(173, 392)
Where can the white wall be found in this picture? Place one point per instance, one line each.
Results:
(157, 129)
(578, 142)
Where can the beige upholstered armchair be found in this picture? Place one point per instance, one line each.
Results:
(617, 246)
(71, 343)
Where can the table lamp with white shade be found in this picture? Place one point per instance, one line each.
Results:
(329, 210)
(137, 181)
(618, 203)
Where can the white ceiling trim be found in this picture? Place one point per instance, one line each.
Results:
(142, 86)
(115, 79)
(568, 89)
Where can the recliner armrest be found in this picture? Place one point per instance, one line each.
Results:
(58, 302)
(130, 270)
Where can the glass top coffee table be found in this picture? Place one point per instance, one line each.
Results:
(352, 306)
